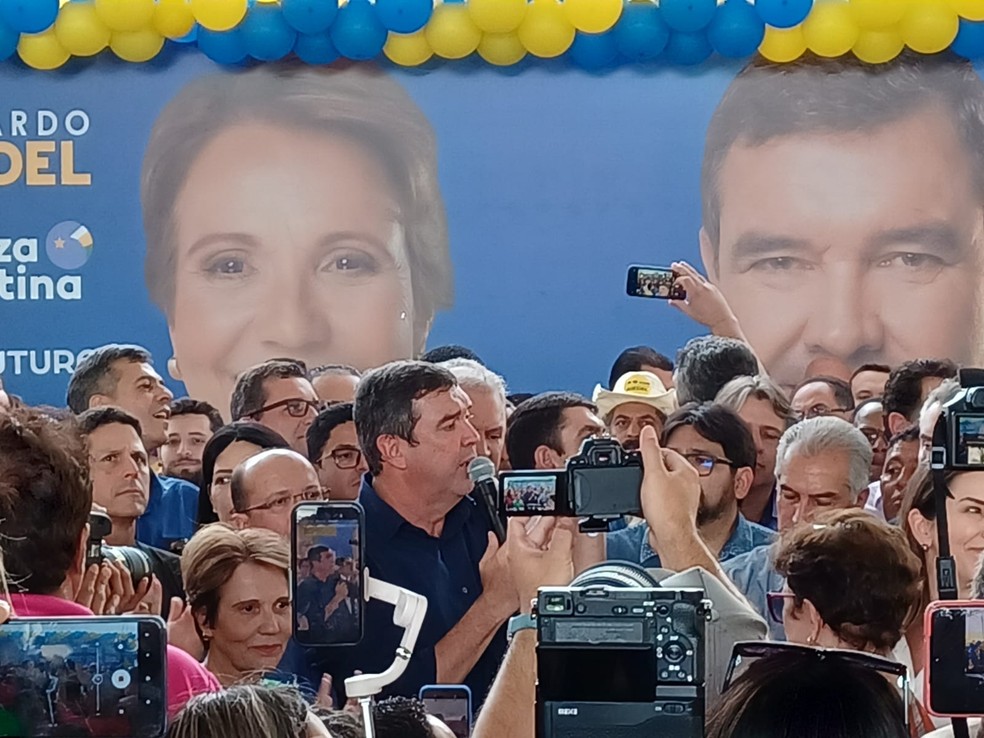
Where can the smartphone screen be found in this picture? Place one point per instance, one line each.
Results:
(655, 282)
(85, 676)
(327, 547)
(529, 494)
(451, 704)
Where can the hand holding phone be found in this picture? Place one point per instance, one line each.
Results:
(659, 283)
(327, 546)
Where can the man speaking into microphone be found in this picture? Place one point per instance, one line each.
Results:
(426, 532)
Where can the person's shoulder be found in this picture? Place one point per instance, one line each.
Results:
(176, 485)
(756, 559)
(760, 535)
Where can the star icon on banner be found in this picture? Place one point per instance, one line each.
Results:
(59, 243)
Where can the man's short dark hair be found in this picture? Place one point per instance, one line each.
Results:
(315, 553)
(97, 417)
(718, 424)
(880, 368)
(249, 396)
(451, 351)
(401, 717)
(188, 406)
(343, 370)
(634, 358)
(384, 403)
(321, 429)
(94, 375)
(45, 499)
(707, 363)
(841, 389)
(537, 422)
(817, 96)
(903, 390)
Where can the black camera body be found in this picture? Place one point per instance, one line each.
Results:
(602, 482)
(626, 662)
(964, 419)
(97, 551)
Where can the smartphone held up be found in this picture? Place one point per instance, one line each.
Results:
(658, 283)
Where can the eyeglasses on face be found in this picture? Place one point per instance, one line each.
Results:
(284, 502)
(344, 457)
(820, 410)
(295, 407)
(704, 463)
(776, 604)
(873, 435)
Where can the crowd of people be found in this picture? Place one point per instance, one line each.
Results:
(810, 518)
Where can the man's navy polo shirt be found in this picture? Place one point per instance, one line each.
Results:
(444, 570)
(171, 512)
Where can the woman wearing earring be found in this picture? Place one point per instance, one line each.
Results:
(239, 594)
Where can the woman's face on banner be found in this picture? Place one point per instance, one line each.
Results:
(289, 243)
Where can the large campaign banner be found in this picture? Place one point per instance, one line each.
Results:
(355, 214)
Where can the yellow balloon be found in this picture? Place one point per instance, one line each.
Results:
(497, 16)
(80, 31)
(219, 15)
(501, 49)
(42, 50)
(451, 31)
(593, 16)
(173, 18)
(877, 13)
(408, 49)
(829, 30)
(783, 44)
(125, 15)
(878, 46)
(545, 31)
(929, 26)
(137, 46)
(969, 9)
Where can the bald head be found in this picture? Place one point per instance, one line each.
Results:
(265, 488)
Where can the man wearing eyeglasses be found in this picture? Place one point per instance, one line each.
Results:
(266, 487)
(277, 394)
(333, 448)
(819, 396)
(719, 445)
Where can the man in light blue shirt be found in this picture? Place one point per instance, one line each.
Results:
(719, 445)
(822, 464)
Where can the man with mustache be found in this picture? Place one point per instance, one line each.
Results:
(637, 399)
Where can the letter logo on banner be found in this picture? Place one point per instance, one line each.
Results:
(68, 246)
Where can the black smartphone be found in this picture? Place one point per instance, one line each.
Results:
(91, 676)
(327, 546)
(451, 704)
(655, 282)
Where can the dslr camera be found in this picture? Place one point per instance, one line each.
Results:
(619, 655)
(963, 418)
(97, 551)
(600, 484)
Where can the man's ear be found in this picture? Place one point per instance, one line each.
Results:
(546, 458)
(709, 256)
(743, 482)
(239, 521)
(100, 401)
(392, 449)
(897, 423)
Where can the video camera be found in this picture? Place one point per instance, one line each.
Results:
(963, 419)
(136, 561)
(619, 655)
(600, 484)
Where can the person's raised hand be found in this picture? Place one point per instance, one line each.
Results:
(181, 631)
(96, 590)
(540, 554)
(670, 489)
(704, 302)
(497, 581)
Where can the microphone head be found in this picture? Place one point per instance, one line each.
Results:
(481, 468)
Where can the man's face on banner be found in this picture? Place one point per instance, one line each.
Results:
(838, 249)
(289, 243)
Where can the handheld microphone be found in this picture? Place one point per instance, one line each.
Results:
(482, 472)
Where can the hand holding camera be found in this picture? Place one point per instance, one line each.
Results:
(670, 491)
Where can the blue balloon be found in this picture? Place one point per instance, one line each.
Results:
(688, 48)
(737, 30)
(594, 51)
(309, 16)
(357, 32)
(687, 15)
(641, 34)
(28, 16)
(315, 48)
(224, 47)
(969, 42)
(266, 34)
(783, 13)
(8, 41)
(404, 16)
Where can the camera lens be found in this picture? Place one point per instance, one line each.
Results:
(135, 560)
